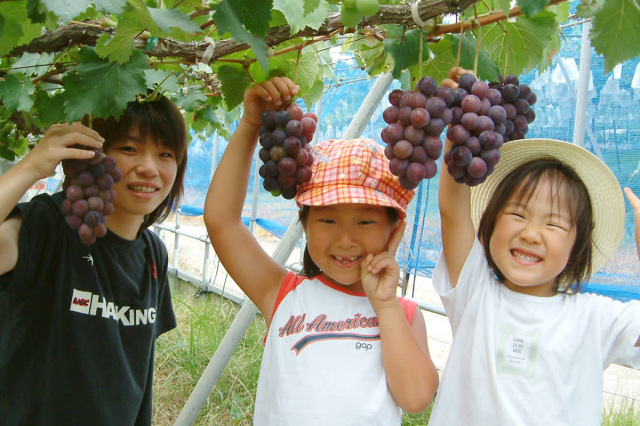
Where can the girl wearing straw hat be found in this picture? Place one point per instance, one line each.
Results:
(341, 347)
(529, 348)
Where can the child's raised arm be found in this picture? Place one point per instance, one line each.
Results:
(635, 205)
(257, 274)
(411, 376)
(456, 227)
(56, 145)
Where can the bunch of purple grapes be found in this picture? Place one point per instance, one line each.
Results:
(477, 131)
(89, 189)
(416, 119)
(517, 100)
(484, 117)
(286, 153)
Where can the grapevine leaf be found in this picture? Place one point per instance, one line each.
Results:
(166, 19)
(155, 77)
(114, 7)
(190, 100)
(33, 64)
(103, 87)
(36, 11)
(298, 18)
(15, 26)
(404, 50)
(616, 32)
(519, 46)
(308, 71)
(49, 109)
(234, 81)
(532, 7)
(254, 15)
(438, 63)
(314, 94)
(487, 67)
(67, 9)
(16, 94)
(228, 21)
(311, 6)
(119, 47)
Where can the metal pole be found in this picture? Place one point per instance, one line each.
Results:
(282, 252)
(583, 81)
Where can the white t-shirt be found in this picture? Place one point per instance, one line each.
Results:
(524, 360)
(322, 361)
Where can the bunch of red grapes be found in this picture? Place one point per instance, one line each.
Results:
(485, 115)
(286, 153)
(89, 190)
(416, 119)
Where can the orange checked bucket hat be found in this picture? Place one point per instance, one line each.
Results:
(353, 171)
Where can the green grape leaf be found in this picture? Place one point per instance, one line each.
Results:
(308, 71)
(119, 47)
(16, 93)
(403, 50)
(438, 63)
(114, 7)
(49, 109)
(190, 100)
(487, 67)
(36, 11)
(15, 26)
(311, 6)
(532, 7)
(234, 81)
(313, 94)
(229, 21)
(167, 19)
(33, 64)
(518, 46)
(168, 82)
(101, 87)
(616, 32)
(67, 9)
(254, 16)
(297, 16)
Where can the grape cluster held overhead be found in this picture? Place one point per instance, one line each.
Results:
(286, 151)
(481, 117)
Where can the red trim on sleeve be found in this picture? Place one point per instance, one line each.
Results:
(408, 307)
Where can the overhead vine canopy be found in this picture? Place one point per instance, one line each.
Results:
(63, 60)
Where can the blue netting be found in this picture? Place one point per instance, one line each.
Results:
(612, 126)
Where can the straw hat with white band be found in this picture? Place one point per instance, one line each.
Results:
(604, 190)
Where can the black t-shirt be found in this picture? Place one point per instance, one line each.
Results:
(78, 324)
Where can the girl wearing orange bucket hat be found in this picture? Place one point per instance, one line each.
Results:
(341, 348)
(528, 347)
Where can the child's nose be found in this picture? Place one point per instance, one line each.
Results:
(531, 233)
(345, 236)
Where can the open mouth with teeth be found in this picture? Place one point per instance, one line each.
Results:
(142, 188)
(525, 258)
(344, 260)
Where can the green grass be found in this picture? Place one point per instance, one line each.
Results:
(183, 354)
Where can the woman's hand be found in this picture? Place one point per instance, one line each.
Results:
(60, 143)
(270, 94)
(380, 273)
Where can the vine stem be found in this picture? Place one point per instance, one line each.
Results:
(481, 21)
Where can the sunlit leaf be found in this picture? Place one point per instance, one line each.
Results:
(101, 87)
(616, 31)
(17, 93)
(297, 15)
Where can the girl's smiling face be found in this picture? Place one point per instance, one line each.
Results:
(532, 241)
(339, 236)
(148, 173)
